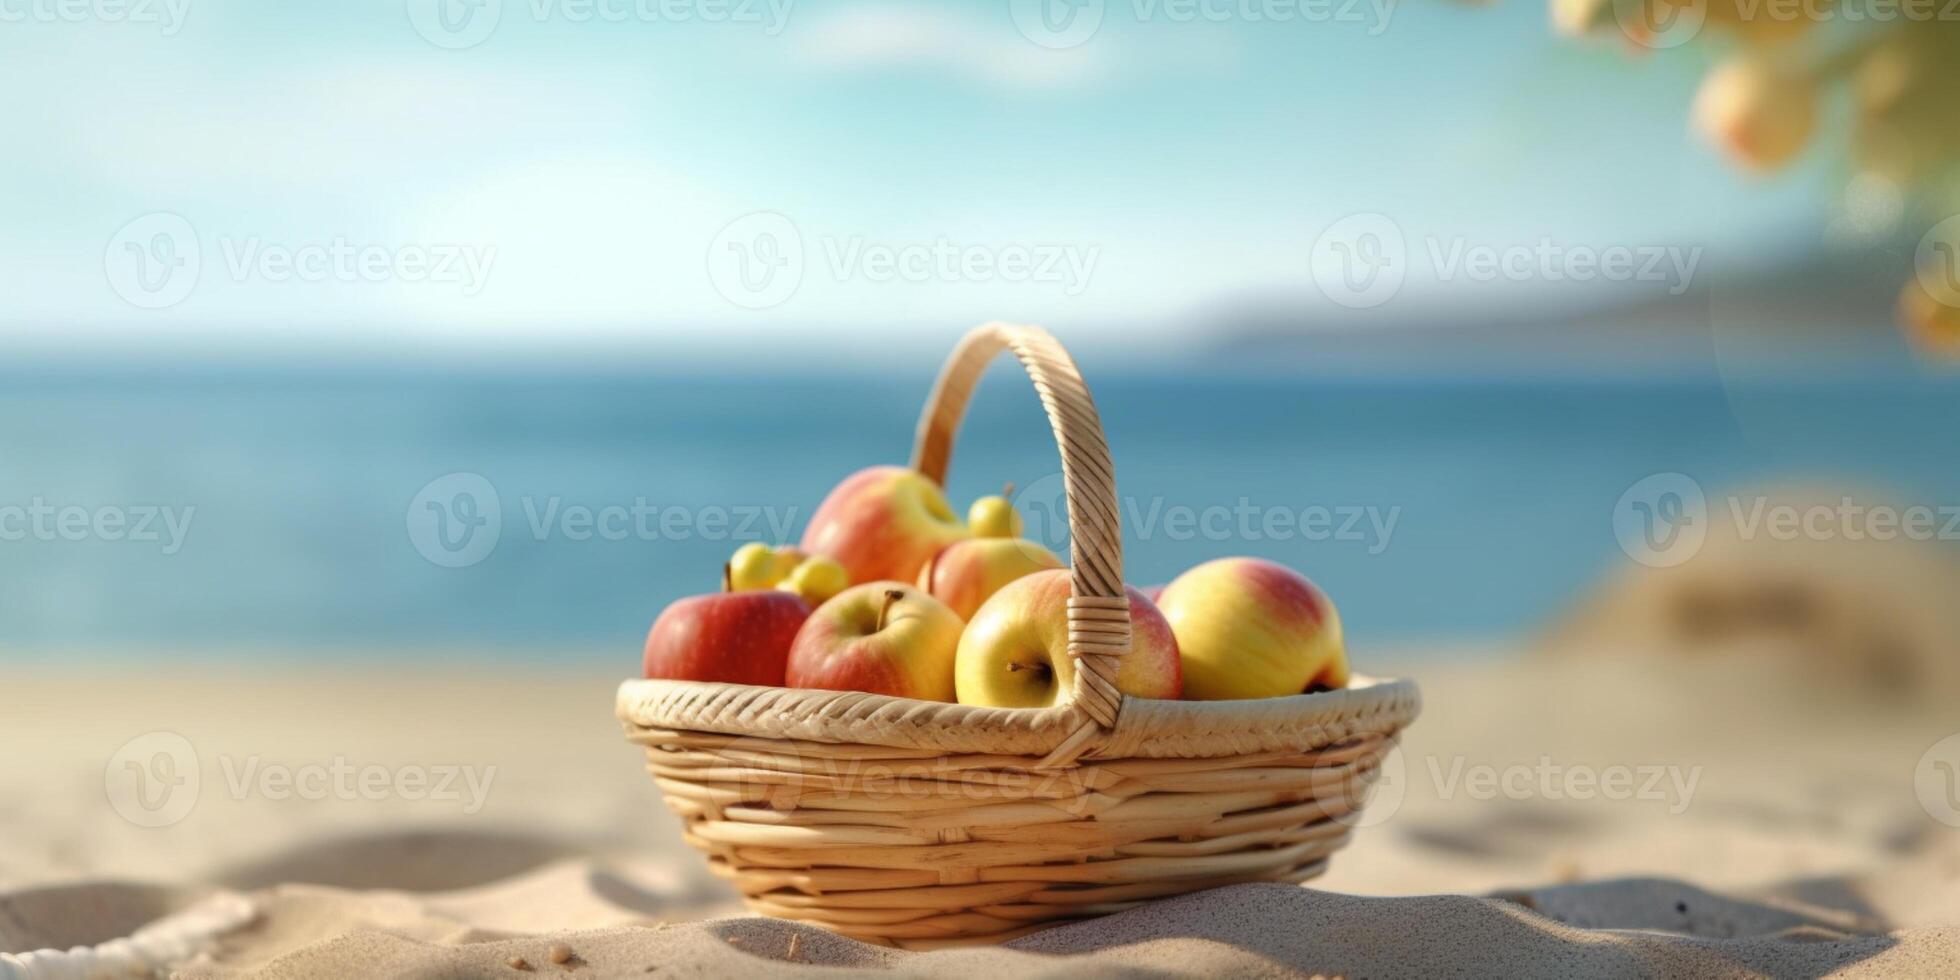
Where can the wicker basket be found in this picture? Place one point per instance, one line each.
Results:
(921, 824)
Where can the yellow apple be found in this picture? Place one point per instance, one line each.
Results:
(817, 580)
(995, 517)
(753, 567)
(788, 557)
(883, 523)
(1250, 628)
(1014, 654)
(966, 573)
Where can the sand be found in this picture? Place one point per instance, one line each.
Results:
(1779, 833)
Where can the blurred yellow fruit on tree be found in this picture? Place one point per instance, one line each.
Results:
(1760, 114)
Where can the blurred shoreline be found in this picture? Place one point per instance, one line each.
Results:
(1426, 510)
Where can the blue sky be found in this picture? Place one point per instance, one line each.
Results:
(593, 166)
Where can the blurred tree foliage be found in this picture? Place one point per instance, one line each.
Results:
(1895, 63)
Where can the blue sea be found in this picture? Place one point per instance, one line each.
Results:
(306, 501)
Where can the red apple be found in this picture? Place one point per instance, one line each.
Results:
(1250, 628)
(883, 523)
(880, 637)
(1014, 654)
(965, 574)
(731, 637)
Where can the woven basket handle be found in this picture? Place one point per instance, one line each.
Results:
(1098, 611)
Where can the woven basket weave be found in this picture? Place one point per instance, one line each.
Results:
(923, 824)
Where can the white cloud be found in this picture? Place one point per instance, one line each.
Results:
(937, 38)
(578, 241)
(600, 203)
(320, 126)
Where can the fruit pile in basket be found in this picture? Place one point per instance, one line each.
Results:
(891, 593)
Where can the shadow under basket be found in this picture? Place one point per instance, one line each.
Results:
(922, 824)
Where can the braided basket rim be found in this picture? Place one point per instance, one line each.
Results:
(1147, 728)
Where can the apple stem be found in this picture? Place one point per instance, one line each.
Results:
(1007, 490)
(891, 596)
(728, 576)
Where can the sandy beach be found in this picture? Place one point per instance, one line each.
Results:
(744, 488)
(1548, 816)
